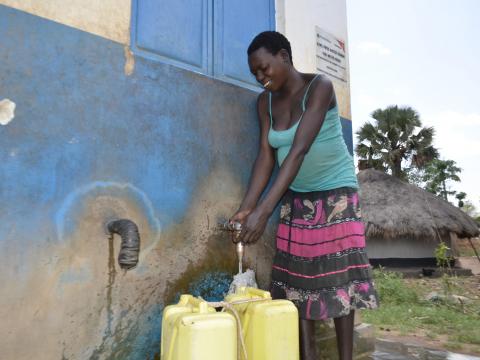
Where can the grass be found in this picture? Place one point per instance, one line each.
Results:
(403, 309)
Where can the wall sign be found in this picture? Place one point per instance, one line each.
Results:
(331, 55)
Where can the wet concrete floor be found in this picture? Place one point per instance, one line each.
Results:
(391, 350)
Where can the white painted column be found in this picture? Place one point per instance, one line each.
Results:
(297, 20)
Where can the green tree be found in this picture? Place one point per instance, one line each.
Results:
(396, 137)
(437, 174)
(470, 209)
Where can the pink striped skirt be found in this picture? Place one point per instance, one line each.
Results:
(321, 264)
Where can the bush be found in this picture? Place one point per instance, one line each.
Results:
(391, 289)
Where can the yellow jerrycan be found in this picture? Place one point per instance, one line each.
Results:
(193, 330)
(270, 327)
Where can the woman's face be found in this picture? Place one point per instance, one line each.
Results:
(269, 70)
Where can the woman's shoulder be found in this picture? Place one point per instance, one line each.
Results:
(262, 98)
(316, 78)
(319, 88)
(262, 102)
(309, 76)
(317, 84)
(263, 94)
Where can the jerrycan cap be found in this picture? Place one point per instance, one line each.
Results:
(196, 305)
(244, 292)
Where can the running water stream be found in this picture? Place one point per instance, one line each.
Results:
(240, 250)
(241, 279)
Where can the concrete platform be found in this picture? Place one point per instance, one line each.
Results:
(363, 346)
(418, 272)
(469, 262)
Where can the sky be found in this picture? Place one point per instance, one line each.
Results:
(424, 54)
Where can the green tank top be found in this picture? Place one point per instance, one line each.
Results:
(328, 164)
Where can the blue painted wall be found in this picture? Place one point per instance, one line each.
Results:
(347, 133)
(166, 147)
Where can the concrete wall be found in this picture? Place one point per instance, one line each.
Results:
(165, 147)
(297, 20)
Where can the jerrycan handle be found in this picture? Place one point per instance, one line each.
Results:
(198, 305)
(257, 292)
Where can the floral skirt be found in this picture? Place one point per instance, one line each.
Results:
(320, 263)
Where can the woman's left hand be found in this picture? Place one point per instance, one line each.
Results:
(254, 225)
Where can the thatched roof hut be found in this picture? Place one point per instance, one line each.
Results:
(394, 209)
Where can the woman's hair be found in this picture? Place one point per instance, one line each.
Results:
(272, 41)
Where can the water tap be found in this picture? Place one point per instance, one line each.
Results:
(236, 229)
(230, 226)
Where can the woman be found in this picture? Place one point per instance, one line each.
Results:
(320, 263)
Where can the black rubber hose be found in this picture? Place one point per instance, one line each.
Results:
(130, 247)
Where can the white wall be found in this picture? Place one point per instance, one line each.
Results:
(400, 248)
(296, 19)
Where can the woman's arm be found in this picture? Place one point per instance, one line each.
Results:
(263, 165)
(320, 98)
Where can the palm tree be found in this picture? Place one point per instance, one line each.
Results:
(396, 137)
(370, 151)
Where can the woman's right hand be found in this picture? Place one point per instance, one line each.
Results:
(240, 216)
